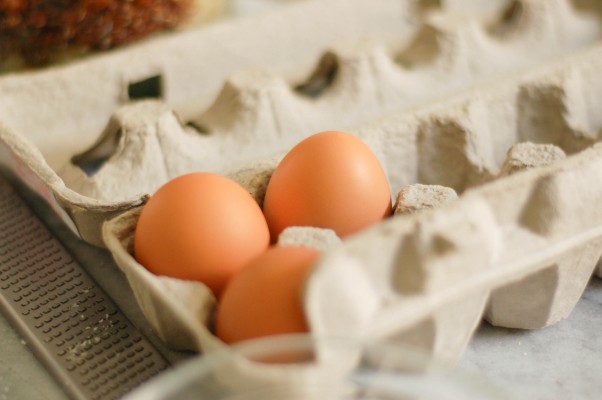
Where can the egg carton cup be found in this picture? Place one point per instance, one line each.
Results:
(517, 247)
(396, 56)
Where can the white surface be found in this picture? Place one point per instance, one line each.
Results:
(563, 361)
(21, 377)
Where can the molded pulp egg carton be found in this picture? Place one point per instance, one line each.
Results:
(500, 105)
(48, 116)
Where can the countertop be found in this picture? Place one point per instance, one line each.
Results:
(561, 362)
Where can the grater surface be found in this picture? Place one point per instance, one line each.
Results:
(68, 321)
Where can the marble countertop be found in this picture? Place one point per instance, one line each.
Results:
(560, 362)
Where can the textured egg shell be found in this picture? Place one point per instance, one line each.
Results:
(200, 226)
(265, 298)
(329, 180)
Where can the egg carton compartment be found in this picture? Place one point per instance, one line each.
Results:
(517, 247)
(419, 52)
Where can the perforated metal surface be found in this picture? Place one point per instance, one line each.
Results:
(74, 328)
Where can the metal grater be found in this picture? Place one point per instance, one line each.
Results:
(72, 326)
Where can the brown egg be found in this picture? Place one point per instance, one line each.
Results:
(200, 226)
(265, 298)
(329, 180)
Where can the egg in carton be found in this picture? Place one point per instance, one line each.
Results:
(460, 252)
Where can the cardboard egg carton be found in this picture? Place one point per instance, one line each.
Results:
(64, 108)
(517, 247)
(445, 108)
(396, 56)
(257, 114)
(49, 116)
